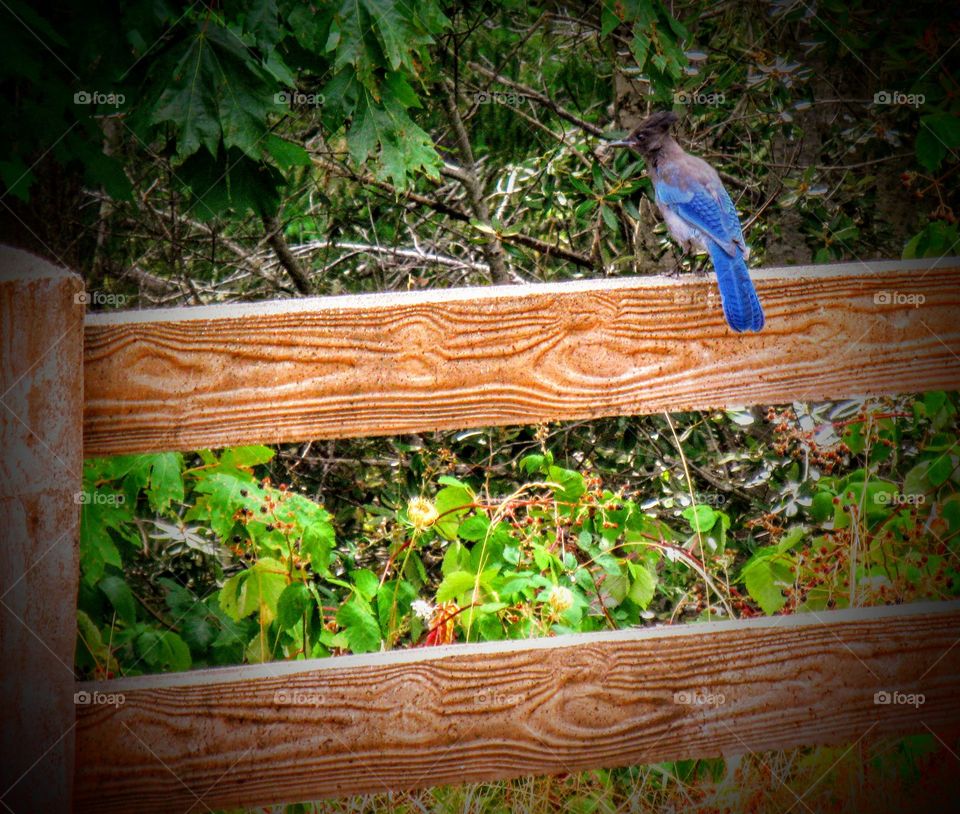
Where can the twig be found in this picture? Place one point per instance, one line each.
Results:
(539, 98)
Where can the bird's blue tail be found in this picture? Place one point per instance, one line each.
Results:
(741, 306)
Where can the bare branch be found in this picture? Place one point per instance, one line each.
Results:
(275, 238)
(468, 177)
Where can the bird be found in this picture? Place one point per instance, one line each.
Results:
(699, 214)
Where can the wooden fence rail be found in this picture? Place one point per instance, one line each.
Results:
(380, 364)
(413, 718)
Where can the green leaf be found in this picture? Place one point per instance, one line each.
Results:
(317, 544)
(609, 217)
(584, 208)
(821, 509)
(231, 181)
(90, 641)
(222, 494)
(918, 480)
(360, 625)
(643, 585)
(120, 596)
(452, 503)
(197, 632)
(791, 538)
(532, 463)
(165, 483)
(570, 482)
(449, 480)
(474, 528)
(246, 457)
(97, 548)
(229, 596)
(765, 575)
(257, 589)
(293, 602)
(933, 402)
(366, 582)
(404, 147)
(700, 517)
(286, 154)
(854, 436)
(938, 134)
(935, 240)
(163, 650)
(455, 584)
(456, 558)
(393, 602)
(940, 469)
(267, 580)
(215, 90)
(259, 649)
(262, 21)
(608, 19)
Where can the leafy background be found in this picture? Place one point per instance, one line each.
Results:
(178, 154)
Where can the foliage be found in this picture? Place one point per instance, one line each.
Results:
(206, 121)
(207, 87)
(551, 551)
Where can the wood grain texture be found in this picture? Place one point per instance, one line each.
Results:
(41, 403)
(405, 719)
(336, 367)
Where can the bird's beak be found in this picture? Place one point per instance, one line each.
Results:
(620, 143)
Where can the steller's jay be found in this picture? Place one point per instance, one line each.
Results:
(699, 214)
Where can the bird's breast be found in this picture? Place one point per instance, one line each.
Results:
(681, 230)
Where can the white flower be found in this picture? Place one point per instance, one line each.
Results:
(423, 609)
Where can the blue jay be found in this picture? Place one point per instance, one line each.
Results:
(699, 214)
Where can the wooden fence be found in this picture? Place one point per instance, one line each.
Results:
(74, 386)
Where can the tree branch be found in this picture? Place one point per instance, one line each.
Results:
(492, 249)
(290, 263)
(527, 241)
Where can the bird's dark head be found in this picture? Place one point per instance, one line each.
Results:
(648, 137)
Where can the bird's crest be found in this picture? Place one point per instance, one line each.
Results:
(658, 122)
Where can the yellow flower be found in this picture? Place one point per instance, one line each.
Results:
(561, 599)
(422, 513)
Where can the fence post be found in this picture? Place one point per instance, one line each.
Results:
(41, 458)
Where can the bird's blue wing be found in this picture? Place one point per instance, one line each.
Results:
(697, 206)
(731, 220)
